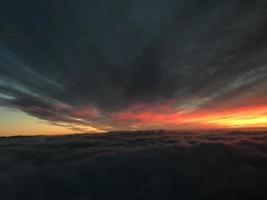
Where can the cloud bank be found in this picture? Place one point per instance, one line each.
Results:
(135, 165)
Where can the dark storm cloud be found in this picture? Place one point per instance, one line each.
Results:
(112, 54)
(135, 165)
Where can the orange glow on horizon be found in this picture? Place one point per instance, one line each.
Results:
(240, 117)
(142, 116)
(14, 122)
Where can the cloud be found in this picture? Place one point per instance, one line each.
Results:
(112, 55)
(135, 165)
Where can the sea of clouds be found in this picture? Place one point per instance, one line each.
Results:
(135, 165)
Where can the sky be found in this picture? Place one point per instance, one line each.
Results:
(103, 65)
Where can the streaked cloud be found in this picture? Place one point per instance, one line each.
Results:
(79, 64)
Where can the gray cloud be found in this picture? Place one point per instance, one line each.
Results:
(113, 54)
(135, 165)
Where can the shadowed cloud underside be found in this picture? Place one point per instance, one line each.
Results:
(109, 65)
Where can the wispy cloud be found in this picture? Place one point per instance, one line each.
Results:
(83, 62)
